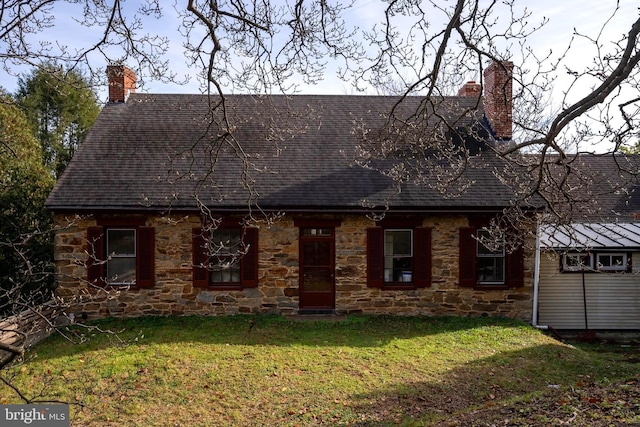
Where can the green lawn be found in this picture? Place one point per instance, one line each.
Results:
(365, 371)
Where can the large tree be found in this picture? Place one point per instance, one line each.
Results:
(423, 48)
(60, 107)
(407, 47)
(26, 240)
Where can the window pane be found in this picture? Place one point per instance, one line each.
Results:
(397, 243)
(575, 262)
(225, 270)
(617, 260)
(121, 242)
(402, 269)
(491, 270)
(121, 270)
(227, 241)
(121, 251)
(398, 256)
(316, 253)
(325, 232)
(612, 261)
(227, 251)
(604, 261)
(398, 269)
(489, 245)
(572, 260)
(225, 275)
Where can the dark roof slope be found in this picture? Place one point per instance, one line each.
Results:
(155, 152)
(594, 187)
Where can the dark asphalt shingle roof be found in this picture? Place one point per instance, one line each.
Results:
(151, 153)
(603, 187)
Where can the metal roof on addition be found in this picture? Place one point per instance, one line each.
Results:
(591, 236)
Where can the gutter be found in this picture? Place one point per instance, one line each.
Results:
(286, 210)
(536, 283)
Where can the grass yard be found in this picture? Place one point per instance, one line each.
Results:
(362, 371)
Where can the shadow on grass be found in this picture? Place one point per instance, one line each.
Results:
(540, 385)
(457, 371)
(354, 331)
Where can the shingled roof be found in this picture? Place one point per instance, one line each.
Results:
(594, 187)
(154, 152)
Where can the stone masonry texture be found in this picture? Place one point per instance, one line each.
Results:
(277, 292)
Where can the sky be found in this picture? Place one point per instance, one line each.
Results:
(564, 16)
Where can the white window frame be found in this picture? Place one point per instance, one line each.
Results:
(113, 255)
(388, 271)
(611, 267)
(225, 261)
(577, 266)
(487, 253)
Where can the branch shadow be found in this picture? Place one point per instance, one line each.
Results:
(258, 330)
(541, 385)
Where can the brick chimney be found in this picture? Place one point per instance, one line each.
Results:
(122, 82)
(470, 88)
(498, 98)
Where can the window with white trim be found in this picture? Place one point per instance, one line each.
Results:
(121, 256)
(577, 261)
(611, 261)
(398, 255)
(490, 256)
(227, 252)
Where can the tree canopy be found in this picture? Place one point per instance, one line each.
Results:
(60, 107)
(26, 251)
(424, 48)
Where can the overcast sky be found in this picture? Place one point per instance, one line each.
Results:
(564, 15)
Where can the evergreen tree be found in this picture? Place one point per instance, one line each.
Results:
(60, 107)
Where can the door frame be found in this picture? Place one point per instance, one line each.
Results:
(304, 307)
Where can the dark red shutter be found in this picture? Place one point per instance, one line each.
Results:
(375, 258)
(95, 249)
(249, 261)
(145, 265)
(467, 257)
(515, 268)
(422, 257)
(200, 258)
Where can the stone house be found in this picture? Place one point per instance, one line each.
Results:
(161, 212)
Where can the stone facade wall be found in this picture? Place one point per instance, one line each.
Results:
(277, 293)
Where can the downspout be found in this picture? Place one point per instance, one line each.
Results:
(584, 299)
(536, 282)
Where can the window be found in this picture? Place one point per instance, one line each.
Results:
(485, 263)
(227, 259)
(121, 253)
(595, 261)
(320, 232)
(398, 257)
(121, 256)
(490, 258)
(225, 254)
(612, 262)
(577, 261)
